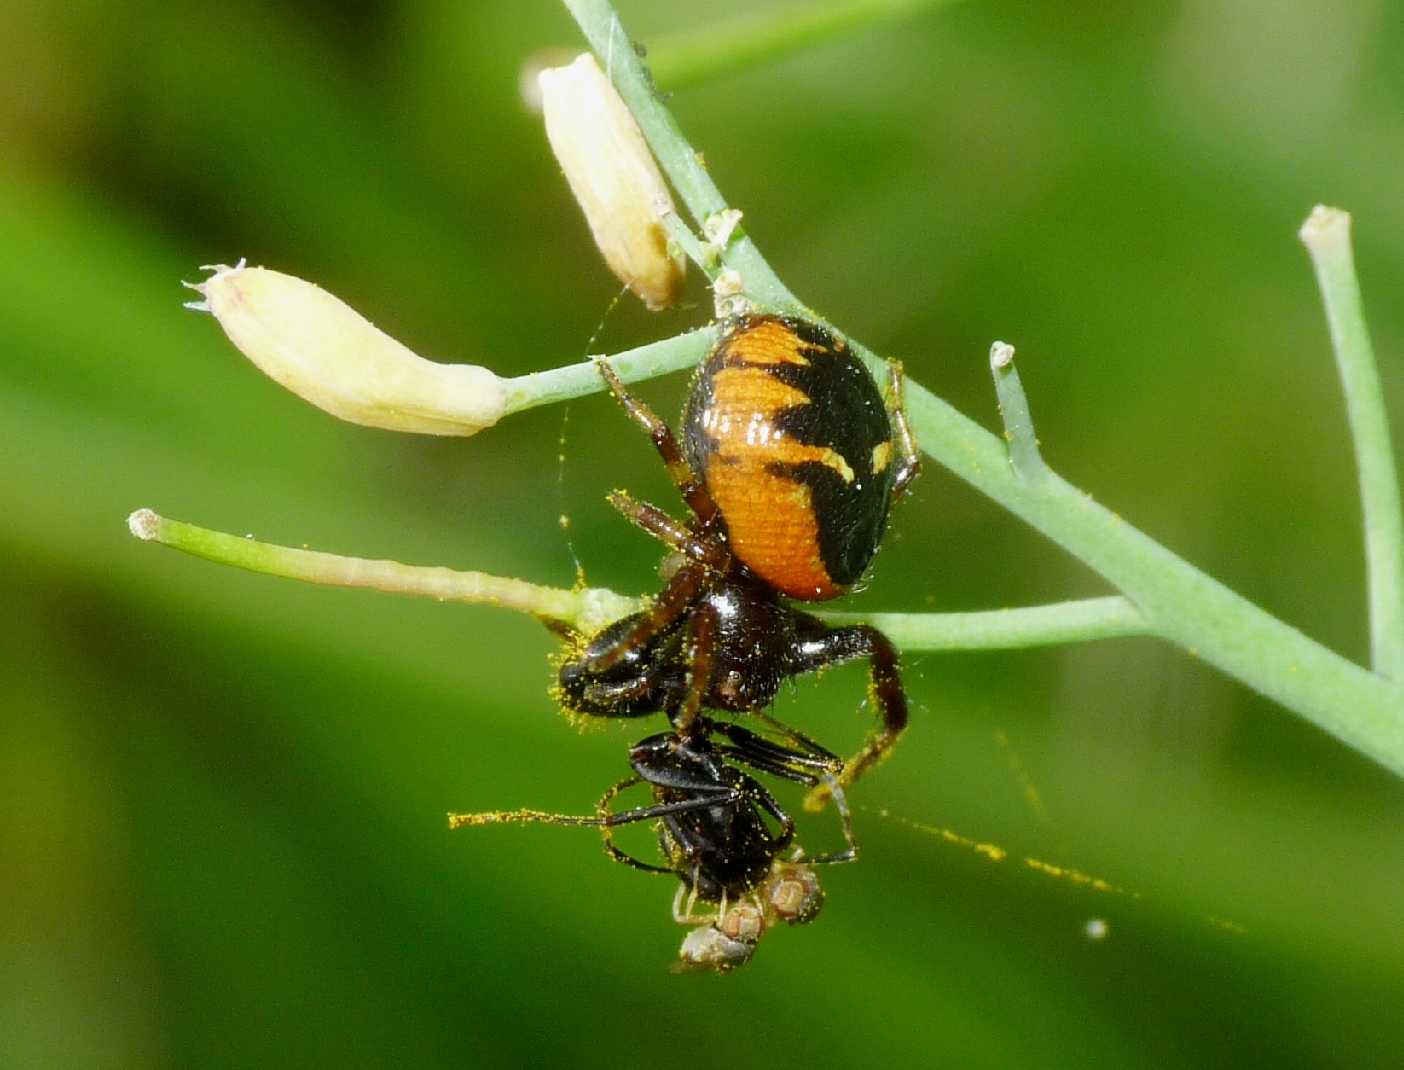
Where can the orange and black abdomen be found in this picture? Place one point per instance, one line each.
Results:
(788, 431)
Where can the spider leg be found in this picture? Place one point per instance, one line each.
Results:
(708, 552)
(670, 604)
(602, 817)
(909, 458)
(682, 475)
(849, 853)
(605, 819)
(821, 646)
(701, 650)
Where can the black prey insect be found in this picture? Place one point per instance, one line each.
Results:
(720, 831)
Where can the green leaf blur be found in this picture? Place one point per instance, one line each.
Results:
(225, 839)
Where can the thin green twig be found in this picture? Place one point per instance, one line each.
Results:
(681, 235)
(587, 609)
(576, 380)
(1326, 234)
(1014, 410)
(1006, 629)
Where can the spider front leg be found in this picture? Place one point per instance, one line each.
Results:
(701, 650)
(821, 646)
(670, 604)
(693, 490)
(709, 552)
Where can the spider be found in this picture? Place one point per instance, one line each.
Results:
(714, 834)
(789, 463)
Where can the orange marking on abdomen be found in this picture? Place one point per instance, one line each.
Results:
(769, 517)
(769, 342)
(770, 520)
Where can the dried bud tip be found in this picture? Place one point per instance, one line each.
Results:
(325, 352)
(719, 227)
(199, 287)
(1001, 356)
(1324, 224)
(144, 524)
(614, 178)
(529, 76)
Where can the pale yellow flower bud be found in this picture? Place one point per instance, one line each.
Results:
(613, 176)
(325, 352)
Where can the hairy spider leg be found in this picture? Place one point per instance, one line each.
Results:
(822, 646)
(684, 585)
(671, 603)
(701, 656)
(693, 490)
(909, 457)
(669, 531)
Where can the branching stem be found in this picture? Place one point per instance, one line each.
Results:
(1326, 235)
(1178, 601)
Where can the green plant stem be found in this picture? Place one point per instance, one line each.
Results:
(592, 608)
(1014, 410)
(680, 234)
(1177, 600)
(587, 609)
(1326, 235)
(725, 45)
(1005, 629)
(576, 380)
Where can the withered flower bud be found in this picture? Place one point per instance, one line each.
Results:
(325, 352)
(614, 178)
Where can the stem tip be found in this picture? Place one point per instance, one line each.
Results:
(1325, 224)
(144, 524)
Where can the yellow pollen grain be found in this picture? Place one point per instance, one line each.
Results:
(993, 851)
(1076, 876)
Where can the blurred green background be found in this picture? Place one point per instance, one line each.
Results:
(223, 835)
